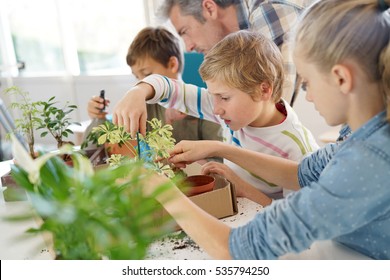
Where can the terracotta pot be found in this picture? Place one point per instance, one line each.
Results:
(126, 149)
(200, 184)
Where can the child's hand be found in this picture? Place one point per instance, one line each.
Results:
(213, 167)
(186, 152)
(95, 107)
(243, 188)
(130, 112)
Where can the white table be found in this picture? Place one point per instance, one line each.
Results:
(185, 248)
(173, 248)
(16, 244)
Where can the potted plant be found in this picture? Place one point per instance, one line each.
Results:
(37, 115)
(115, 139)
(56, 120)
(90, 214)
(154, 145)
(25, 125)
(30, 118)
(152, 148)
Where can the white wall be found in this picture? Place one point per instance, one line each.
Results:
(310, 117)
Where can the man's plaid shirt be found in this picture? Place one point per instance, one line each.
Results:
(274, 19)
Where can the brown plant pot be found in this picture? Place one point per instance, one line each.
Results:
(124, 150)
(200, 184)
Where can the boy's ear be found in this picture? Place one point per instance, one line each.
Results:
(173, 64)
(265, 92)
(209, 9)
(342, 76)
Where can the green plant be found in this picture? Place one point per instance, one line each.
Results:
(154, 145)
(90, 214)
(29, 120)
(56, 120)
(40, 115)
(108, 133)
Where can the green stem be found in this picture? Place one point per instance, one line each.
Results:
(131, 148)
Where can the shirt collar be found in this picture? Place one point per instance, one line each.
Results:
(369, 127)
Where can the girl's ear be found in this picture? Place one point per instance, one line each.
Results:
(173, 64)
(342, 76)
(209, 9)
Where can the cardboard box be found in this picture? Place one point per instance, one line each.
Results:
(220, 202)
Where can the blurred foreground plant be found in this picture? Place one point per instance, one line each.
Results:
(91, 214)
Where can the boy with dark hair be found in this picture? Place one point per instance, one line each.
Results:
(155, 50)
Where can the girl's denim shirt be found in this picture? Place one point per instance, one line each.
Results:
(345, 197)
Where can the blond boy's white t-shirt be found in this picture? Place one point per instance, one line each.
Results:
(289, 139)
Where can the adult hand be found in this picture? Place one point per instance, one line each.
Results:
(172, 115)
(130, 112)
(95, 107)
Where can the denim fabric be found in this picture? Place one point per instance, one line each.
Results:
(345, 132)
(346, 198)
(319, 159)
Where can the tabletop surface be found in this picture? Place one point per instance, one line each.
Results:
(15, 244)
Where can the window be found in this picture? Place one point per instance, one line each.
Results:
(55, 37)
(1, 60)
(104, 30)
(36, 36)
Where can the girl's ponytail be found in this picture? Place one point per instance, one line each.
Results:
(384, 71)
(384, 58)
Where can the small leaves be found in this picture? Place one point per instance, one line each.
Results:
(29, 120)
(41, 115)
(160, 138)
(108, 133)
(115, 159)
(56, 120)
(154, 145)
